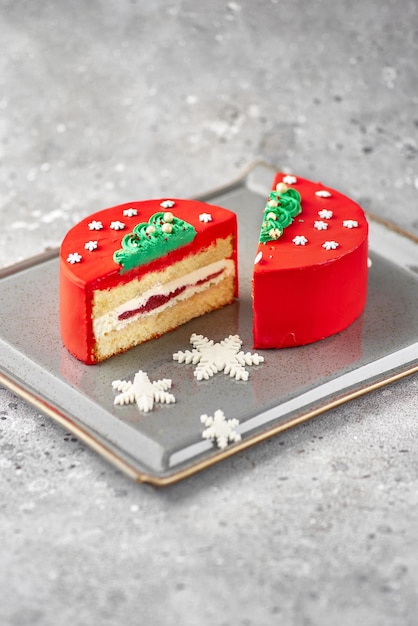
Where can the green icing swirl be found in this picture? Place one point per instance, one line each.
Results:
(280, 211)
(140, 247)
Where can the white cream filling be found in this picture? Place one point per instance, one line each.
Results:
(109, 322)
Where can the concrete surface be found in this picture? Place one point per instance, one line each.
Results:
(106, 101)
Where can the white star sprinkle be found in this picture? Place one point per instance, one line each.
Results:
(220, 430)
(320, 225)
(130, 212)
(325, 214)
(323, 193)
(94, 225)
(74, 257)
(167, 204)
(330, 245)
(289, 179)
(300, 240)
(350, 224)
(205, 217)
(211, 357)
(117, 225)
(143, 391)
(91, 245)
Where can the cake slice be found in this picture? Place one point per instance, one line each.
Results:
(311, 266)
(135, 271)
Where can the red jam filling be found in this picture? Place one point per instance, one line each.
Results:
(158, 300)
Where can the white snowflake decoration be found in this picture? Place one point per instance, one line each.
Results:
(167, 204)
(323, 193)
(319, 225)
(330, 245)
(117, 225)
(205, 217)
(91, 245)
(210, 357)
(74, 257)
(131, 212)
(289, 179)
(350, 224)
(220, 430)
(143, 391)
(95, 225)
(300, 240)
(325, 214)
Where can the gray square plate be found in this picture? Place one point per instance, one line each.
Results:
(291, 386)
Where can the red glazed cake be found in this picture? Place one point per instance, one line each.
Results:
(135, 271)
(310, 271)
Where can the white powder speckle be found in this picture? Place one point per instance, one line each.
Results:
(26, 507)
(254, 111)
(51, 216)
(39, 484)
(389, 76)
(29, 226)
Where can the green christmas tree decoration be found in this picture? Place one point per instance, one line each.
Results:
(280, 211)
(153, 239)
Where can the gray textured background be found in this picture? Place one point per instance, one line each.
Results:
(105, 102)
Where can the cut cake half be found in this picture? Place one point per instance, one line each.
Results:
(311, 266)
(132, 272)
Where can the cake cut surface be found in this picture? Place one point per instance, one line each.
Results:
(135, 271)
(310, 270)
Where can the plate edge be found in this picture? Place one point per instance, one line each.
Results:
(171, 479)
